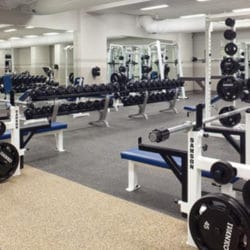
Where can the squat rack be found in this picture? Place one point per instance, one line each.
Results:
(210, 22)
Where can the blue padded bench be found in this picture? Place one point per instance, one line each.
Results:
(135, 156)
(55, 128)
(193, 108)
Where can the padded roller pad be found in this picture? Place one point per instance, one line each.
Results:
(54, 127)
(153, 159)
(193, 108)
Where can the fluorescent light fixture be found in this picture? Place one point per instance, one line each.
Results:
(193, 16)
(1, 40)
(50, 34)
(241, 10)
(14, 38)
(70, 31)
(154, 7)
(9, 30)
(202, 0)
(30, 36)
(29, 27)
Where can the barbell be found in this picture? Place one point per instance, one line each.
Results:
(159, 135)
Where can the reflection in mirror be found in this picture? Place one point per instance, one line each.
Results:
(38, 51)
(139, 58)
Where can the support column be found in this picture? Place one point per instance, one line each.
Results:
(90, 48)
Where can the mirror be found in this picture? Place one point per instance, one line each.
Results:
(27, 48)
(142, 58)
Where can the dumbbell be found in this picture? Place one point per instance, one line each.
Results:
(102, 87)
(63, 108)
(29, 113)
(81, 106)
(73, 107)
(130, 86)
(129, 100)
(60, 91)
(89, 105)
(110, 88)
(95, 88)
(50, 91)
(142, 85)
(79, 89)
(96, 105)
(70, 90)
(87, 88)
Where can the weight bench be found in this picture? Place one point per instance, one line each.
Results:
(55, 128)
(138, 157)
(191, 109)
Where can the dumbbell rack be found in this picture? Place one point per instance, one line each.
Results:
(142, 106)
(103, 113)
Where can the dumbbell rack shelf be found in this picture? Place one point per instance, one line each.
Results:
(69, 96)
(103, 113)
(147, 100)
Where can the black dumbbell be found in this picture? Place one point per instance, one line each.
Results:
(79, 89)
(73, 107)
(89, 105)
(95, 88)
(61, 91)
(109, 88)
(28, 113)
(50, 91)
(102, 87)
(81, 106)
(96, 105)
(70, 90)
(87, 88)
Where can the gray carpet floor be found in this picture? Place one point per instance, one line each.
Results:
(92, 156)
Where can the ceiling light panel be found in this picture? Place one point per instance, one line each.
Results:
(193, 16)
(9, 30)
(156, 7)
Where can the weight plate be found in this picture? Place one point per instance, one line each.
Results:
(231, 49)
(230, 121)
(218, 222)
(223, 172)
(230, 34)
(229, 89)
(230, 22)
(246, 193)
(229, 66)
(2, 128)
(115, 78)
(9, 160)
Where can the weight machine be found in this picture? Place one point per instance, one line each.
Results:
(215, 221)
(197, 208)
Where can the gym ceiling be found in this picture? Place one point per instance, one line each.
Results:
(175, 9)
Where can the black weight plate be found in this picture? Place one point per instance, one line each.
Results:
(222, 172)
(115, 78)
(229, 66)
(229, 89)
(232, 120)
(231, 49)
(230, 34)
(9, 160)
(2, 128)
(220, 217)
(246, 193)
(230, 22)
